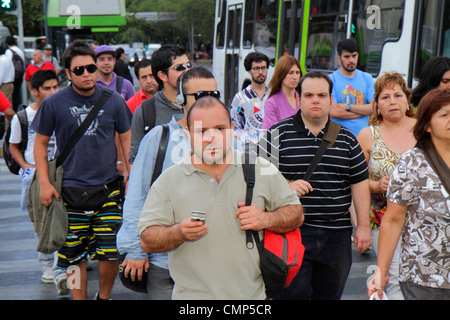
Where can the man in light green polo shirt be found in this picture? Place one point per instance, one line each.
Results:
(211, 260)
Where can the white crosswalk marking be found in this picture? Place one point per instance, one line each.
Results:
(20, 271)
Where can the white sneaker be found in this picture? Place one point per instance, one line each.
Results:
(60, 281)
(47, 274)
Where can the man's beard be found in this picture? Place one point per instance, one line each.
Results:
(346, 68)
(219, 156)
(256, 80)
(82, 89)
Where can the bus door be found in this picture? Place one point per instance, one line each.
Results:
(433, 35)
(232, 52)
(289, 26)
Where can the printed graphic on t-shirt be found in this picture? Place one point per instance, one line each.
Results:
(80, 113)
(352, 96)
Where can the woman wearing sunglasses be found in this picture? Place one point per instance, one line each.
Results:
(283, 100)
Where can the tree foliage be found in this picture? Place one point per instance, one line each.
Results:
(198, 14)
(33, 18)
(190, 13)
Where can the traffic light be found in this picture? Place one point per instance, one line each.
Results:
(8, 5)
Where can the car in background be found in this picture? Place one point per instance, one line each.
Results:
(133, 56)
(203, 55)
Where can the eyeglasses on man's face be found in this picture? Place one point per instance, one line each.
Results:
(200, 94)
(258, 69)
(181, 67)
(78, 71)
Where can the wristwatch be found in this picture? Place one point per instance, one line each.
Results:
(349, 107)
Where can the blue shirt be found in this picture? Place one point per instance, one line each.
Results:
(128, 238)
(357, 90)
(93, 161)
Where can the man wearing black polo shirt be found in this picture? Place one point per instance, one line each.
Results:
(340, 176)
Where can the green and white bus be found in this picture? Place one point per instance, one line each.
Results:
(394, 35)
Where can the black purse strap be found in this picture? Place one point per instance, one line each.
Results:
(76, 136)
(163, 142)
(438, 164)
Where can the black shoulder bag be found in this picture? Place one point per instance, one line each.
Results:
(52, 221)
(141, 285)
(328, 140)
(85, 198)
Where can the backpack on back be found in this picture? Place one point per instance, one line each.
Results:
(149, 114)
(281, 254)
(12, 164)
(19, 65)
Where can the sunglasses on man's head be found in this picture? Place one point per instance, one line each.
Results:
(78, 71)
(182, 67)
(200, 94)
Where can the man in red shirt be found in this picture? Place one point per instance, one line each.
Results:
(5, 107)
(38, 64)
(149, 86)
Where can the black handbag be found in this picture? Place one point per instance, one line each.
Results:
(141, 285)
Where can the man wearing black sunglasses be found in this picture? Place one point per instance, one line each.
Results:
(91, 163)
(168, 63)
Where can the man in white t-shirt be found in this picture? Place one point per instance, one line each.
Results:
(44, 83)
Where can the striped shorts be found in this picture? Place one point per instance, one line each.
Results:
(92, 233)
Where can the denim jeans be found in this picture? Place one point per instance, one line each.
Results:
(25, 177)
(325, 267)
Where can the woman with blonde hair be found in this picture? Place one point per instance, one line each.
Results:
(283, 100)
(388, 136)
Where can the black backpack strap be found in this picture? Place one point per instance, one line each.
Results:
(76, 136)
(248, 167)
(23, 120)
(163, 142)
(148, 114)
(328, 140)
(119, 84)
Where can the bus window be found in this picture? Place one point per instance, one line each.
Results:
(446, 30)
(220, 35)
(260, 26)
(434, 30)
(249, 21)
(289, 38)
(230, 36)
(327, 26)
(372, 28)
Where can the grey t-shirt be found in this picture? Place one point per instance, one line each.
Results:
(165, 110)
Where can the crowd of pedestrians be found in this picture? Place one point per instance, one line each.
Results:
(150, 159)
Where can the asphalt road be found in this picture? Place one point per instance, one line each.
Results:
(20, 271)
